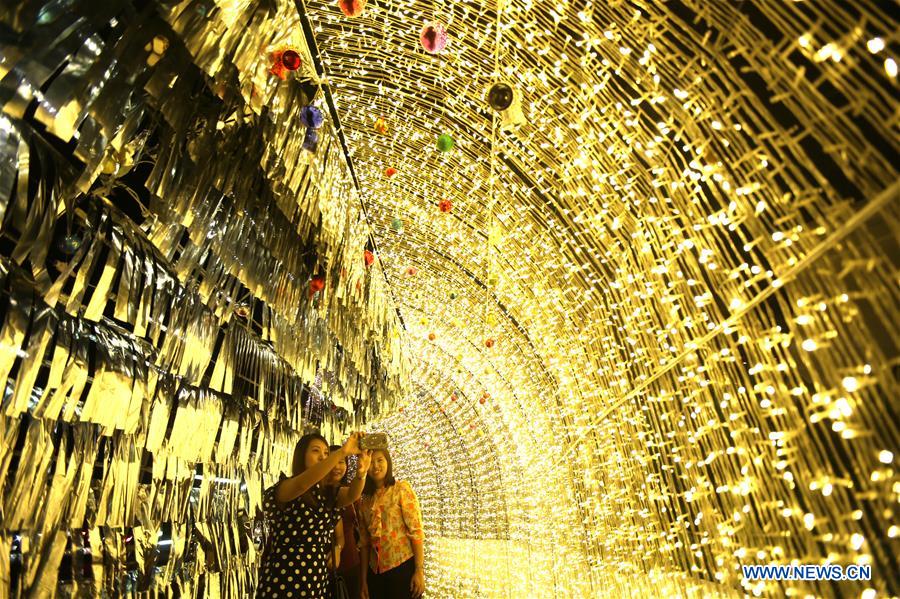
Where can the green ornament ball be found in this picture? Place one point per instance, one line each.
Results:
(397, 224)
(445, 143)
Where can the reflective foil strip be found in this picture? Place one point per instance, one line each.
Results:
(74, 304)
(43, 328)
(66, 100)
(10, 146)
(137, 401)
(12, 336)
(99, 297)
(34, 242)
(213, 409)
(51, 293)
(126, 280)
(146, 298)
(45, 408)
(159, 415)
(43, 577)
(109, 394)
(99, 556)
(114, 557)
(131, 460)
(22, 500)
(7, 540)
(74, 376)
(227, 435)
(181, 441)
(9, 432)
(86, 446)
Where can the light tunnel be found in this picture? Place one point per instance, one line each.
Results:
(628, 334)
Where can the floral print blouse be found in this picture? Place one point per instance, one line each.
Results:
(389, 521)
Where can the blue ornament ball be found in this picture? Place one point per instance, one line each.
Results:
(311, 140)
(311, 116)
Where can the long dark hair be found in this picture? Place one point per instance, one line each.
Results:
(369, 488)
(298, 465)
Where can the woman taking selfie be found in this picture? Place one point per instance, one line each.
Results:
(390, 535)
(345, 555)
(301, 514)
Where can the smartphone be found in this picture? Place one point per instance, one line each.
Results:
(374, 441)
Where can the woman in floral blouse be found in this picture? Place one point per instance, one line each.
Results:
(390, 535)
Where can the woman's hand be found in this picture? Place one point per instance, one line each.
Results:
(417, 585)
(365, 460)
(363, 590)
(351, 446)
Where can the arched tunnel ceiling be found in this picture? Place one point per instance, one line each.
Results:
(626, 249)
(659, 138)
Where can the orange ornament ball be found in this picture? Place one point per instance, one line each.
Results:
(381, 125)
(352, 8)
(291, 60)
(316, 284)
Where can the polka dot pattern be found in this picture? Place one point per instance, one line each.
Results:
(295, 562)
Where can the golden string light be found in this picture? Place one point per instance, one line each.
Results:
(672, 197)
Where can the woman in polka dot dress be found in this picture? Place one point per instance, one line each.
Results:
(302, 514)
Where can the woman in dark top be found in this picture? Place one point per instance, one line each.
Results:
(302, 514)
(346, 553)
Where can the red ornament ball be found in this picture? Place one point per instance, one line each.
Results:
(368, 258)
(352, 8)
(412, 271)
(291, 60)
(390, 172)
(482, 400)
(316, 284)
(433, 37)
(489, 343)
(453, 397)
(445, 206)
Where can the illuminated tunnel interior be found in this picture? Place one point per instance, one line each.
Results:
(618, 279)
